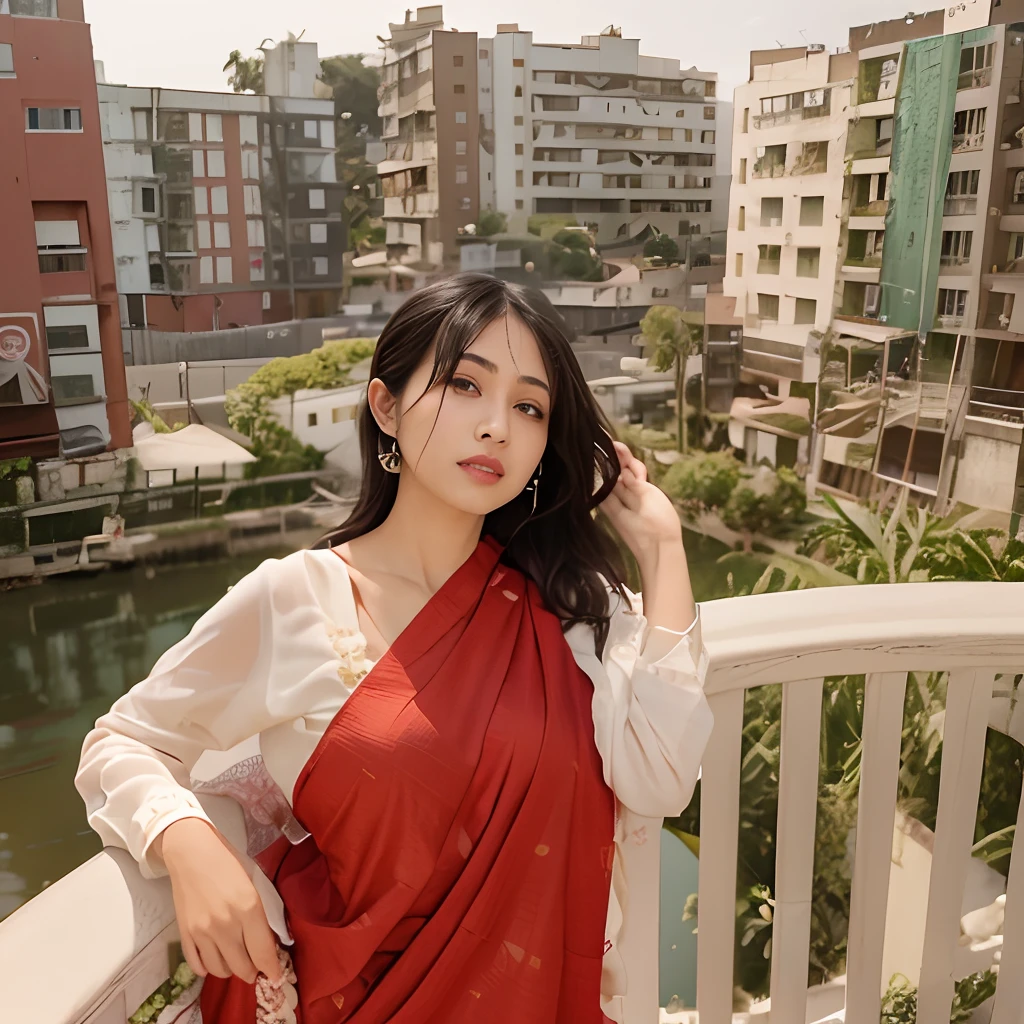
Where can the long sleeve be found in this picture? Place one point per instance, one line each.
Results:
(651, 718)
(235, 675)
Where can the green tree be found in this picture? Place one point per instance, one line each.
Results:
(671, 337)
(768, 500)
(246, 72)
(663, 246)
(703, 481)
(574, 257)
(490, 222)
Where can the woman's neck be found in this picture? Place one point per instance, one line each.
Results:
(423, 538)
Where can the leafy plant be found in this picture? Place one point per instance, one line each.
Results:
(702, 481)
(769, 500)
(182, 979)
(899, 1004)
(671, 337)
(246, 72)
(663, 246)
(490, 223)
(144, 411)
(15, 467)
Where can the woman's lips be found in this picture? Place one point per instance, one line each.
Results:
(483, 476)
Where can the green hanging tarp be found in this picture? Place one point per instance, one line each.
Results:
(922, 145)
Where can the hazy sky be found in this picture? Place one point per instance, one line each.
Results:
(185, 44)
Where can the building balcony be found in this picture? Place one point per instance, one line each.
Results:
(960, 206)
(774, 120)
(768, 266)
(867, 223)
(769, 171)
(955, 264)
(412, 204)
(976, 79)
(873, 261)
(968, 143)
(997, 404)
(869, 165)
(876, 209)
(945, 322)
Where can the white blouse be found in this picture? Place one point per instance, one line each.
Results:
(280, 653)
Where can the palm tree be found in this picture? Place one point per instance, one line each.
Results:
(246, 74)
(672, 336)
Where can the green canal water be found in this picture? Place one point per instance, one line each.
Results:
(69, 648)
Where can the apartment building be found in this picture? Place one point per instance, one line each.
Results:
(596, 130)
(225, 209)
(62, 382)
(623, 143)
(431, 133)
(892, 321)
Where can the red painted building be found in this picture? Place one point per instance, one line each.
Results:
(62, 382)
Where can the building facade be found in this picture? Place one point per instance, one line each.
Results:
(225, 210)
(906, 357)
(62, 383)
(593, 132)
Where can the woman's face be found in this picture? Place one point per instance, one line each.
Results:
(476, 443)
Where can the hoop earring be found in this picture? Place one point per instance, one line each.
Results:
(534, 485)
(391, 462)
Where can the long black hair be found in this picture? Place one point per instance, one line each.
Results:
(562, 547)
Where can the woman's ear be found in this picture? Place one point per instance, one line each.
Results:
(383, 406)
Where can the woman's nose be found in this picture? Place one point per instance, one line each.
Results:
(494, 427)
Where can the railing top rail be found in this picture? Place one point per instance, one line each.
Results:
(803, 634)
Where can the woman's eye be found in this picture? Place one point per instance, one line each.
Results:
(531, 410)
(461, 384)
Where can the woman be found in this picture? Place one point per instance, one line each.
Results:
(462, 712)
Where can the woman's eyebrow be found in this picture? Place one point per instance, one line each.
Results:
(493, 368)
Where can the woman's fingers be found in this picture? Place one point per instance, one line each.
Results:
(212, 959)
(238, 961)
(262, 946)
(192, 957)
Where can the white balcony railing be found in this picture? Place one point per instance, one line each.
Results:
(91, 947)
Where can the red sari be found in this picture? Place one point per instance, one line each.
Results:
(461, 832)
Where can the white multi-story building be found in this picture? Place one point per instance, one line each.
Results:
(598, 131)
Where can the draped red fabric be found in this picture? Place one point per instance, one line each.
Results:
(461, 832)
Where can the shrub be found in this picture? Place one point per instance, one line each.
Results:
(703, 481)
(663, 246)
(769, 500)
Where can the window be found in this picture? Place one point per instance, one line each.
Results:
(317, 234)
(206, 270)
(195, 127)
(519, 149)
(739, 264)
(483, 55)
(198, 163)
(974, 62)
(143, 124)
(664, 134)
(965, 183)
(254, 233)
(681, 112)
(311, 419)
(311, 130)
(204, 233)
(214, 128)
(215, 163)
(224, 270)
(156, 274)
(742, 173)
(767, 306)
(769, 258)
(465, 203)
(461, 174)
(72, 388)
(519, 92)
(53, 119)
(741, 219)
(805, 312)
(317, 199)
(6, 59)
(708, 138)
(969, 129)
(202, 205)
(460, 117)
(956, 247)
(519, 204)
(460, 148)
(179, 206)
(33, 8)
(771, 212)
(76, 336)
(952, 302)
(222, 234)
(746, 120)
(517, 62)
(808, 262)
(320, 266)
(519, 179)
(252, 200)
(518, 121)
(460, 89)
(457, 60)
(709, 113)
(812, 211)
(219, 199)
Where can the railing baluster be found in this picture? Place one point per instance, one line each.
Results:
(1009, 1004)
(794, 861)
(968, 697)
(884, 695)
(719, 836)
